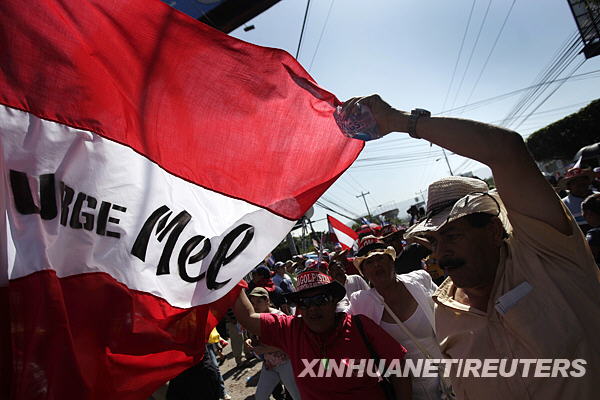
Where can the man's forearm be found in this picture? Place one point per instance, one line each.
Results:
(485, 143)
(517, 177)
(244, 313)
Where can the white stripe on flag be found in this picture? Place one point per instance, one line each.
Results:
(343, 238)
(101, 172)
(345, 235)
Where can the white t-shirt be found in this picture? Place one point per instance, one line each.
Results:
(354, 283)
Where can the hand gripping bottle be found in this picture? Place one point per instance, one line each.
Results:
(357, 123)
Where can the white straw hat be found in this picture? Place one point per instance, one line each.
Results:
(454, 197)
(370, 246)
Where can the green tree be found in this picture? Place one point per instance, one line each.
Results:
(563, 138)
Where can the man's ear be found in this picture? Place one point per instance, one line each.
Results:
(497, 230)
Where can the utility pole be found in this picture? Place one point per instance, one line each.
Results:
(362, 194)
(447, 162)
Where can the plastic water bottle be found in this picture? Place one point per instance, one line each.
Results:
(357, 123)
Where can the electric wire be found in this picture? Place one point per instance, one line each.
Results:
(362, 188)
(321, 36)
(302, 30)
(574, 47)
(396, 156)
(487, 10)
(559, 63)
(459, 53)
(550, 94)
(338, 185)
(491, 51)
(552, 110)
(336, 202)
(326, 207)
(421, 180)
(530, 98)
(566, 55)
(490, 100)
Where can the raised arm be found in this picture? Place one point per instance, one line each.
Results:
(244, 313)
(520, 183)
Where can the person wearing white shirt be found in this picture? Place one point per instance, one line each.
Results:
(281, 279)
(409, 298)
(352, 283)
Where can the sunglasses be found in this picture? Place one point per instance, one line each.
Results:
(317, 300)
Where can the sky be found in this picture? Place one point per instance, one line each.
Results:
(408, 52)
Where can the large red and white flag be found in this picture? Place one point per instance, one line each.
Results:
(344, 234)
(148, 162)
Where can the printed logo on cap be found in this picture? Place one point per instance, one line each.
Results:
(368, 240)
(311, 279)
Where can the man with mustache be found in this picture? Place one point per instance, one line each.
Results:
(522, 283)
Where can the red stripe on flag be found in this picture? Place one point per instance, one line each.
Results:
(5, 345)
(90, 337)
(230, 116)
(340, 227)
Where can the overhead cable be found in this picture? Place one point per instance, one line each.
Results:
(491, 51)
(481, 103)
(337, 203)
(550, 94)
(562, 60)
(472, 52)
(547, 111)
(321, 36)
(326, 207)
(302, 30)
(459, 53)
(558, 64)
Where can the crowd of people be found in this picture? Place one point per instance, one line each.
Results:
(481, 274)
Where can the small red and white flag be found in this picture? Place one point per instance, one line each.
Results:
(344, 234)
(148, 162)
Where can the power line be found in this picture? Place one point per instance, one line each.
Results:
(559, 63)
(547, 111)
(422, 179)
(562, 59)
(472, 52)
(493, 99)
(461, 165)
(357, 182)
(336, 202)
(419, 161)
(303, 26)
(549, 95)
(339, 186)
(321, 35)
(459, 53)
(326, 207)
(491, 51)
(529, 98)
(392, 156)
